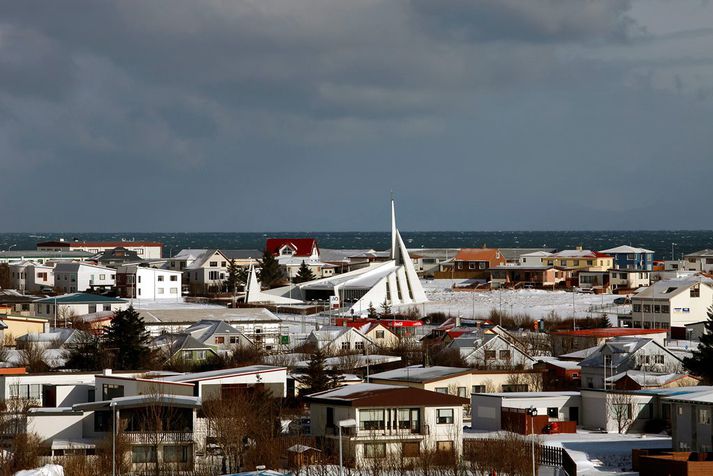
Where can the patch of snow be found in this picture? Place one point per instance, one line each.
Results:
(46, 470)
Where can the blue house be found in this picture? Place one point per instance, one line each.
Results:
(628, 257)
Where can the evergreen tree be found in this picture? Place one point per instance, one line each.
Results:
(701, 362)
(318, 377)
(603, 321)
(126, 340)
(270, 271)
(385, 308)
(237, 277)
(371, 311)
(85, 353)
(304, 274)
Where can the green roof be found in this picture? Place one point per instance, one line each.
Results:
(81, 298)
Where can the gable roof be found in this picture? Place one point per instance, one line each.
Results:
(203, 258)
(626, 249)
(421, 374)
(81, 298)
(204, 329)
(223, 373)
(378, 395)
(242, 254)
(700, 254)
(302, 246)
(621, 350)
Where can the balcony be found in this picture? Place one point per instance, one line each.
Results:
(152, 437)
(384, 433)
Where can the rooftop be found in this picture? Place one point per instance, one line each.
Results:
(609, 332)
(377, 395)
(81, 298)
(419, 373)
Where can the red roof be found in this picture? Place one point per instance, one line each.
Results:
(99, 244)
(609, 332)
(302, 246)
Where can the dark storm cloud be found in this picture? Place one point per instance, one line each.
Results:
(184, 115)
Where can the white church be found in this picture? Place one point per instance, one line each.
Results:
(394, 281)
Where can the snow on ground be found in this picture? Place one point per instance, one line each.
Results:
(179, 303)
(534, 302)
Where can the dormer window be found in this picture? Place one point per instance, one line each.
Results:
(287, 251)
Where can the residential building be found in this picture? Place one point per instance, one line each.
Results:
(459, 381)
(596, 281)
(491, 351)
(503, 411)
(581, 259)
(622, 280)
(700, 261)
(218, 335)
(203, 270)
(620, 354)
(144, 249)
(390, 421)
(43, 257)
(243, 258)
(145, 283)
(182, 347)
(632, 258)
(14, 326)
(79, 277)
(671, 305)
(690, 414)
(303, 248)
(475, 263)
(119, 256)
(531, 276)
(534, 258)
(16, 303)
(28, 276)
(565, 342)
(336, 339)
(62, 308)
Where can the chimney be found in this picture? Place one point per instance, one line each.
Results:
(579, 247)
(458, 320)
(106, 372)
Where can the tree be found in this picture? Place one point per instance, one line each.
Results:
(85, 352)
(304, 274)
(385, 308)
(126, 340)
(620, 408)
(371, 311)
(318, 377)
(270, 271)
(701, 361)
(237, 276)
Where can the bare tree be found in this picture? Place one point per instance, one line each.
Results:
(619, 406)
(33, 356)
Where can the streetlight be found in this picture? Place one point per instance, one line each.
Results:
(113, 438)
(348, 423)
(532, 413)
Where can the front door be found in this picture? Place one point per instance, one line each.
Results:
(574, 414)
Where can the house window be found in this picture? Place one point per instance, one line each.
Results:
(590, 263)
(92, 308)
(409, 419)
(637, 307)
(177, 454)
(213, 275)
(346, 345)
(659, 359)
(665, 309)
(107, 307)
(490, 355)
(159, 278)
(223, 264)
(553, 412)
(220, 340)
(159, 290)
(504, 355)
(102, 421)
(444, 446)
(234, 339)
(444, 416)
(478, 389)
(482, 265)
(519, 387)
(213, 264)
(174, 277)
(359, 345)
(174, 290)
(441, 390)
(471, 266)
(110, 391)
(26, 391)
(371, 419)
(143, 454)
(462, 392)
(379, 334)
(374, 450)
(704, 416)
(695, 291)
(102, 277)
(410, 449)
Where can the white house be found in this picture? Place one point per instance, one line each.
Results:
(491, 351)
(63, 308)
(387, 420)
(487, 408)
(145, 249)
(28, 276)
(337, 338)
(672, 304)
(699, 261)
(144, 283)
(79, 277)
(534, 258)
(203, 270)
(629, 278)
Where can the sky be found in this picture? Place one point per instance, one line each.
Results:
(265, 115)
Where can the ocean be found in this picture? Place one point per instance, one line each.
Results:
(658, 241)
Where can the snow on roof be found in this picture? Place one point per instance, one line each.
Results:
(419, 373)
(626, 249)
(671, 287)
(609, 332)
(346, 392)
(647, 379)
(211, 374)
(519, 395)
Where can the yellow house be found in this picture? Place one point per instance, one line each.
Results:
(579, 259)
(12, 327)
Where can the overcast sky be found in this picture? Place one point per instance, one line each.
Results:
(264, 115)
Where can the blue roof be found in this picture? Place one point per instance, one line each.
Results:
(81, 298)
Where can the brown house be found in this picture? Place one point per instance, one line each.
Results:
(474, 263)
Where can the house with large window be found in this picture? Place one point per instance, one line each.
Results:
(630, 257)
(491, 351)
(30, 277)
(80, 277)
(338, 338)
(476, 262)
(145, 283)
(387, 420)
(580, 259)
(203, 270)
(699, 261)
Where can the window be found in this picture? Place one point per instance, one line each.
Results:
(107, 307)
(379, 334)
(520, 387)
(213, 275)
(213, 264)
(174, 277)
(220, 340)
(102, 277)
(659, 359)
(444, 416)
(665, 308)
(444, 446)
(92, 308)
(441, 390)
(504, 355)
(159, 278)
(637, 307)
(590, 263)
(102, 421)
(374, 450)
(371, 419)
(143, 454)
(553, 412)
(359, 345)
(695, 291)
(177, 454)
(704, 416)
(346, 345)
(234, 339)
(471, 266)
(482, 265)
(679, 410)
(159, 290)
(409, 419)
(490, 355)
(462, 392)
(410, 449)
(110, 391)
(478, 389)
(26, 391)
(174, 290)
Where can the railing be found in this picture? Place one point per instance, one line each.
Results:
(158, 436)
